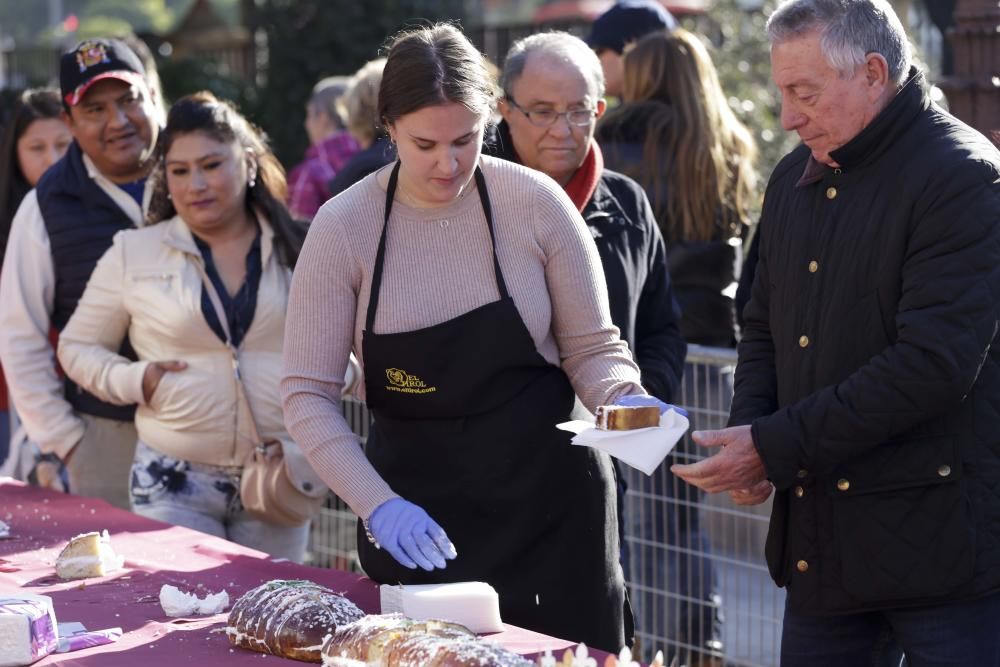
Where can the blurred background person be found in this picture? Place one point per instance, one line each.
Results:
(472, 293)
(625, 22)
(152, 74)
(331, 146)
(676, 135)
(553, 94)
(34, 138)
(59, 232)
(361, 104)
(201, 290)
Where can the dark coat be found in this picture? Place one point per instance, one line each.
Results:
(364, 162)
(635, 266)
(704, 273)
(868, 367)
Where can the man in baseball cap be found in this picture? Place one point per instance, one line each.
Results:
(96, 60)
(625, 22)
(60, 231)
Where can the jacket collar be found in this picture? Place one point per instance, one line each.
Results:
(501, 144)
(603, 214)
(879, 135)
(178, 236)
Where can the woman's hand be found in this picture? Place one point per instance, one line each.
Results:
(155, 372)
(410, 535)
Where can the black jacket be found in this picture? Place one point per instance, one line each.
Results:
(371, 159)
(869, 369)
(704, 273)
(635, 266)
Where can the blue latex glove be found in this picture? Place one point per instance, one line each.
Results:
(410, 535)
(637, 401)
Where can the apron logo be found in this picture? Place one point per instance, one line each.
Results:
(402, 381)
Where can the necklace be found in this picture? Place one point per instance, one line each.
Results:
(409, 200)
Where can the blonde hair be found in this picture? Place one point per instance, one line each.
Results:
(692, 141)
(361, 101)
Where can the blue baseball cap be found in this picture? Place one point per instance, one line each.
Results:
(627, 21)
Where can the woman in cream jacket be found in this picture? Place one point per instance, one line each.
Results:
(201, 294)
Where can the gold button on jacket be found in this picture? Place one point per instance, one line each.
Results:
(843, 484)
(802, 566)
(804, 341)
(831, 193)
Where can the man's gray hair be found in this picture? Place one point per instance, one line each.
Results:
(849, 31)
(561, 45)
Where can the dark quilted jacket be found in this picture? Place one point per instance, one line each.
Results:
(869, 368)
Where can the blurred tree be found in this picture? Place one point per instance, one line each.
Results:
(184, 76)
(310, 39)
(31, 23)
(146, 15)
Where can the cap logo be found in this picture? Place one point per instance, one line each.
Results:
(91, 53)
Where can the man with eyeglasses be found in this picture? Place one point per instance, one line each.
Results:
(553, 95)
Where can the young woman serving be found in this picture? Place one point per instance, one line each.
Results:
(473, 295)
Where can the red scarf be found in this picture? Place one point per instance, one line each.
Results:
(581, 187)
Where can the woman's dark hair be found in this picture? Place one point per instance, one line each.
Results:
(32, 105)
(435, 65)
(219, 119)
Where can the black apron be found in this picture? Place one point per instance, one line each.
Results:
(464, 426)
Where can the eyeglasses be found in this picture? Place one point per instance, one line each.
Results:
(548, 117)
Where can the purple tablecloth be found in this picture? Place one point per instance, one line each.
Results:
(41, 524)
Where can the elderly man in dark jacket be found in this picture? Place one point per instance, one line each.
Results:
(868, 385)
(553, 93)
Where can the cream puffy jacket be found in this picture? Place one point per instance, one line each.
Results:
(148, 285)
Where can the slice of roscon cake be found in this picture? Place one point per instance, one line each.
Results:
(88, 555)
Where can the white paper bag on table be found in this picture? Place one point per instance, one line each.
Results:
(643, 449)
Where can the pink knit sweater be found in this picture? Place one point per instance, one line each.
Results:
(438, 266)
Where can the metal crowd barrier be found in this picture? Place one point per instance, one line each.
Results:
(696, 571)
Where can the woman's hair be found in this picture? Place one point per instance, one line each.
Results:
(361, 102)
(692, 141)
(431, 66)
(32, 105)
(219, 119)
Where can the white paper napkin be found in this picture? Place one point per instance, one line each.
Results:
(643, 449)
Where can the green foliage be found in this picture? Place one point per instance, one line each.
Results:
(184, 76)
(146, 15)
(310, 39)
(30, 23)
